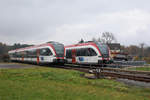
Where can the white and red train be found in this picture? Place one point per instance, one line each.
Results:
(88, 53)
(51, 52)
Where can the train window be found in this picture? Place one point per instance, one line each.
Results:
(21, 54)
(18, 54)
(31, 53)
(10, 55)
(92, 52)
(13, 55)
(68, 53)
(45, 52)
(28, 54)
(103, 48)
(87, 52)
(59, 48)
(81, 52)
(34, 53)
(25, 54)
(78, 52)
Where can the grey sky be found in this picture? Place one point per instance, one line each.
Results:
(67, 21)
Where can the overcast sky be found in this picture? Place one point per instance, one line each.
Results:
(67, 21)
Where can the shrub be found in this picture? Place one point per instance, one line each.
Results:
(5, 58)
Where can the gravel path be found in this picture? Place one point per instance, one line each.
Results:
(14, 65)
(134, 83)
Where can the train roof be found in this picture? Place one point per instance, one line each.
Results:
(36, 46)
(53, 42)
(114, 46)
(83, 44)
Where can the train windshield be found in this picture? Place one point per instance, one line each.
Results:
(103, 49)
(59, 48)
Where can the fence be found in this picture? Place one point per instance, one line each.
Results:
(127, 63)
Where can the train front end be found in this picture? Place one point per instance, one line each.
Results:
(60, 53)
(104, 57)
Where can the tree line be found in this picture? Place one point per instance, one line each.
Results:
(4, 48)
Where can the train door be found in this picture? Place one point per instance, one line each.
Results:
(82, 56)
(38, 53)
(92, 56)
(46, 55)
(73, 56)
(22, 56)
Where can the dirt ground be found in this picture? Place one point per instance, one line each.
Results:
(15, 65)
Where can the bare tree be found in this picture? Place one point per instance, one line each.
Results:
(101, 40)
(94, 39)
(108, 37)
(132, 50)
(142, 50)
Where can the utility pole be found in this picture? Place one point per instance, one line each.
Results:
(142, 50)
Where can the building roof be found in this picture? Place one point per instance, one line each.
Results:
(114, 46)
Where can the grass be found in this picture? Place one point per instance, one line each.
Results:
(43, 83)
(147, 68)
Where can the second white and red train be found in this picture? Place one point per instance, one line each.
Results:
(88, 53)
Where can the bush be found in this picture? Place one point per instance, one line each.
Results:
(136, 58)
(147, 59)
(5, 58)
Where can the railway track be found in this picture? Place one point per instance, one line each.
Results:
(125, 74)
(74, 67)
(142, 76)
